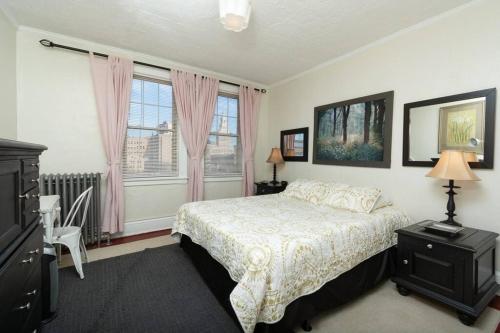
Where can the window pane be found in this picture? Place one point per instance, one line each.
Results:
(166, 118)
(150, 153)
(136, 94)
(150, 116)
(212, 139)
(232, 125)
(222, 106)
(215, 124)
(223, 151)
(151, 149)
(222, 156)
(134, 115)
(166, 95)
(233, 107)
(223, 125)
(150, 92)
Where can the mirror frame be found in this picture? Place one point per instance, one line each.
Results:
(489, 126)
(302, 130)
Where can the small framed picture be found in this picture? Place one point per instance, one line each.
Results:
(294, 144)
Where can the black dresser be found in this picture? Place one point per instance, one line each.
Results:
(269, 187)
(21, 237)
(459, 271)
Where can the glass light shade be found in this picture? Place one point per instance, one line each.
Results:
(234, 14)
(452, 165)
(275, 156)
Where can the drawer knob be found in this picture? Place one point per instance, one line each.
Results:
(32, 293)
(429, 246)
(405, 262)
(25, 196)
(35, 251)
(26, 306)
(27, 261)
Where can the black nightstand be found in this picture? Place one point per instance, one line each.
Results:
(459, 271)
(269, 188)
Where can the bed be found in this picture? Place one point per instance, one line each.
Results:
(273, 251)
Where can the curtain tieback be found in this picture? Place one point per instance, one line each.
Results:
(110, 165)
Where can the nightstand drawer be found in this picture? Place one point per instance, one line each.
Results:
(432, 265)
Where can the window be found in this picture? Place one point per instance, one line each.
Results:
(150, 148)
(223, 151)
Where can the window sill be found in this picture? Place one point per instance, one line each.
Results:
(130, 182)
(223, 179)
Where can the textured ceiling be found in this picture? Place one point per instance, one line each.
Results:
(284, 37)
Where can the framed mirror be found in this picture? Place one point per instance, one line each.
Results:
(294, 144)
(463, 122)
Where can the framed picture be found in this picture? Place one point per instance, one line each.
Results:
(461, 127)
(295, 144)
(355, 132)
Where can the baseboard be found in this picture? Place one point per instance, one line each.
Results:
(143, 226)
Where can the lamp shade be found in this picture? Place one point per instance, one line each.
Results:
(470, 156)
(452, 165)
(234, 14)
(275, 157)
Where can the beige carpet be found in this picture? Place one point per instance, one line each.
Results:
(382, 310)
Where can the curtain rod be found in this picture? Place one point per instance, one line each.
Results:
(48, 43)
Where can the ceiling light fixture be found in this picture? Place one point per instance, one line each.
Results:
(235, 14)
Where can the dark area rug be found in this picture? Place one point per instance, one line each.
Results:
(156, 290)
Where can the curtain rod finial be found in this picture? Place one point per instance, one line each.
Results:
(46, 42)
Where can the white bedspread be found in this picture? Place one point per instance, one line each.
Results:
(278, 249)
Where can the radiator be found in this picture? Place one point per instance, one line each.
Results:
(69, 187)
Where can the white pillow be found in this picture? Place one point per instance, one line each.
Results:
(381, 203)
(313, 191)
(356, 199)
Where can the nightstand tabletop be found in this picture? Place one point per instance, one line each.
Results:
(469, 239)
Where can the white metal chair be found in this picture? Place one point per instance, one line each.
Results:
(71, 236)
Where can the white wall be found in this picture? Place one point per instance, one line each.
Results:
(456, 53)
(8, 94)
(57, 109)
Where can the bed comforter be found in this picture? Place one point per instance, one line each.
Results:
(278, 249)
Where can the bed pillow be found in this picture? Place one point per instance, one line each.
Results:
(356, 199)
(313, 191)
(381, 203)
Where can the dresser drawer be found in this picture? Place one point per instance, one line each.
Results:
(31, 214)
(432, 265)
(30, 199)
(29, 181)
(14, 274)
(23, 309)
(30, 165)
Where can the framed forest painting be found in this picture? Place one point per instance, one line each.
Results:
(356, 132)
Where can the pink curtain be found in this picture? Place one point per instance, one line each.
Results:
(249, 109)
(112, 84)
(195, 97)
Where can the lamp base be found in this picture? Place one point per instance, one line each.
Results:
(452, 222)
(274, 181)
(451, 204)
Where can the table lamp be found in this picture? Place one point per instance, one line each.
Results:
(452, 165)
(276, 158)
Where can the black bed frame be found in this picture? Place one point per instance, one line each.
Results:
(334, 293)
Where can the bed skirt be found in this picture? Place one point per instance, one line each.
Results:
(341, 290)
